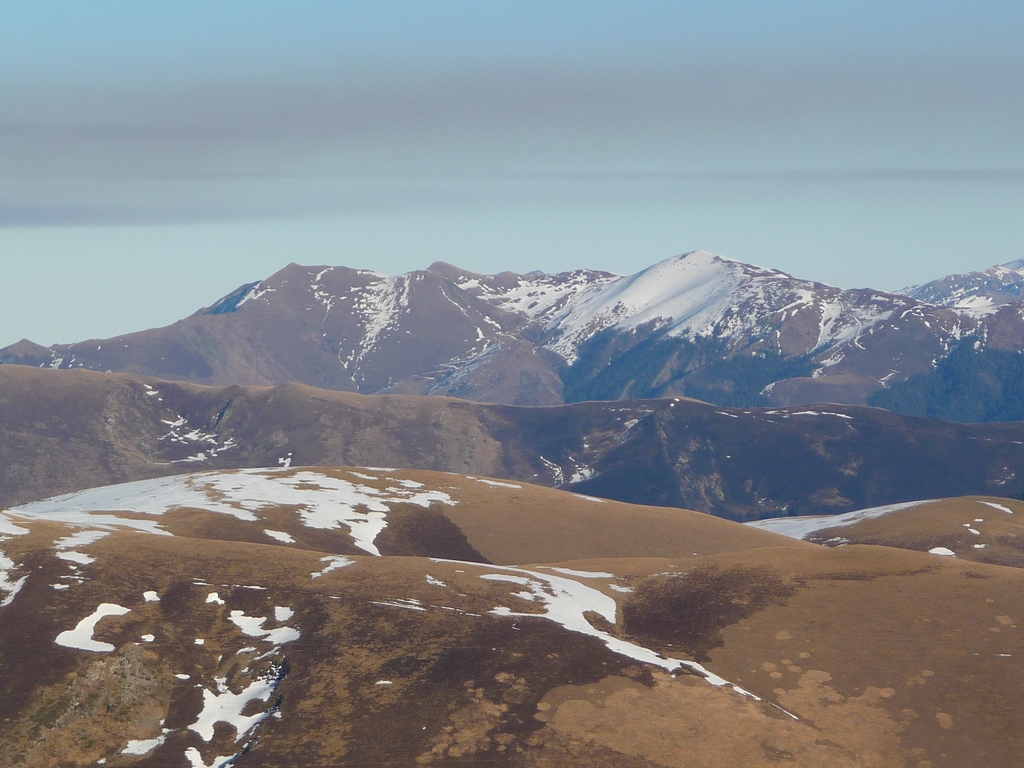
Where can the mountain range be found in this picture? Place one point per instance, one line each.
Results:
(200, 572)
(696, 325)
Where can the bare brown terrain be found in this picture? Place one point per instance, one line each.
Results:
(262, 633)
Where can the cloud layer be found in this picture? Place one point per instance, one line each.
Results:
(368, 140)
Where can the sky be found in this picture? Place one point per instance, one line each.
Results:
(156, 155)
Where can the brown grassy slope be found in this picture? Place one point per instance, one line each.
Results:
(896, 658)
(885, 657)
(531, 524)
(931, 644)
(485, 520)
(946, 523)
(63, 433)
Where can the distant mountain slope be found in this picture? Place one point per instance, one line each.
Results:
(694, 325)
(335, 328)
(211, 620)
(63, 431)
(978, 292)
(972, 383)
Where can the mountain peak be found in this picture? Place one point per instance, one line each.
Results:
(452, 272)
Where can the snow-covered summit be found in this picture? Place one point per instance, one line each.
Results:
(703, 294)
(692, 292)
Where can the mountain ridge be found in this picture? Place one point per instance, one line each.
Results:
(693, 325)
(62, 431)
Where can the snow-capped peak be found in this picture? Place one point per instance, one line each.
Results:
(703, 294)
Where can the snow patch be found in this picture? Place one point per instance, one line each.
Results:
(556, 471)
(282, 613)
(253, 627)
(1000, 507)
(280, 536)
(334, 562)
(495, 483)
(142, 746)
(409, 603)
(81, 638)
(8, 528)
(821, 413)
(801, 527)
(79, 539)
(322, 501)
(76, 557)
(566, 601)
(582, 574)
(11, 588)
(581, 471)
(223, 706)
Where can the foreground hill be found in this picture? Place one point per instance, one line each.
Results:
(63, 431)
(215, 619)
(696, 325)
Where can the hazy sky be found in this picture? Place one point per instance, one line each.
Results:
(156, 155)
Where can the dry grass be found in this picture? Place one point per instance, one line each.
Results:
(886, 657)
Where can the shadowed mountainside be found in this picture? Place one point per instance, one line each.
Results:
(62, 431)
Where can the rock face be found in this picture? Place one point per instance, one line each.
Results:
(697, 325)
